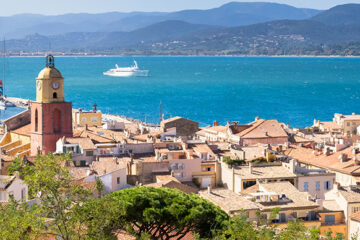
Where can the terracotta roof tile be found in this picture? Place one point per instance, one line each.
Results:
(24, 130)
(263, 129)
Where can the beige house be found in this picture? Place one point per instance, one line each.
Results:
(349, 202)
(87, 118)
(230, 202)
(348, 123)
(12, 186)
(82, 150)
(354, 226)
(293, 203)
(344, 163)
(238, 179)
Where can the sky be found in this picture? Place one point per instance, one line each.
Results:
(54, 7)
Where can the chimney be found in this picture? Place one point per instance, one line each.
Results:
(250, 168)
(86, 127)
(343, 157)
(292, 166)
(327, 153)
(216, 123)
(320, 203)
(209, 189)
(94, 107)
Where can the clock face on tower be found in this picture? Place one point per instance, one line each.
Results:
(55, 85)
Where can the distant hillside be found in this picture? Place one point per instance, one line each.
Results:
(348, 14)
(313, 36)
(228, 15)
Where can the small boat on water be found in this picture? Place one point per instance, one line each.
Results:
(133, 71)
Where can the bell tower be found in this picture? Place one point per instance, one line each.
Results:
(50, 83)
(50, 114)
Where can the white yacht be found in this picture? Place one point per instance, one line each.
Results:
(133, 71)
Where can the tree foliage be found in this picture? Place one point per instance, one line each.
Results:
(166, 213)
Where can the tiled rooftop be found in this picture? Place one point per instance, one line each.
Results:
(333, 162)
(264, 172)
(229, 201)
(297, 199)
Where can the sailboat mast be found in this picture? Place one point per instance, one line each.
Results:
(160, 112)
(4, 67)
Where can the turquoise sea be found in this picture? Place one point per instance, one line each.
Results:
(292, 90)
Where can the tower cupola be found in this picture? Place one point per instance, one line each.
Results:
(50, 83)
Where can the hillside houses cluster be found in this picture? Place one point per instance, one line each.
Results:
(312, 173)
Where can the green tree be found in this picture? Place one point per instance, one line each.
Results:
(17, 221)
(60, 200)
(238, 228)
(295, 230)
(165, 213)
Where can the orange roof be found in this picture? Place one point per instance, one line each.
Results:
(330, 125)
(24, 130)
(107, 165)
(306, 155)
(263, 129)
(217, 128)
(85, 143)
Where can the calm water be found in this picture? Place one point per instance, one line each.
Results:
(292, 90)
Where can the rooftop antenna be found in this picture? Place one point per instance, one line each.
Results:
(4, 68)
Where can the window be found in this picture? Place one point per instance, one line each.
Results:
(118, 180)
(348, 124)
(327, 185)
(174, 166)
(83, 120)
(54, 95)
(57, 121)
(178, 174)
(89, 153)
(329, 219)
(208, 169)
(282, 217)
(82, 163)
(94, 119)
(306, 186)
(355, 209)
(317, 186)
(36, 121)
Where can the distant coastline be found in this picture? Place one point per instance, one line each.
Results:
(249, 56)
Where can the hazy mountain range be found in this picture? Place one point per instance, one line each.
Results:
(234, 28)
